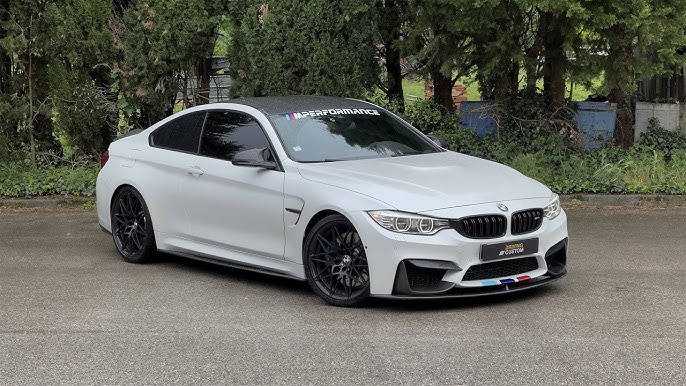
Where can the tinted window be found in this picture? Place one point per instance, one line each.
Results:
(182, 133)
(226, 133)
(342, 134)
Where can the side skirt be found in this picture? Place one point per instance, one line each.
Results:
(232, 264)
(102, 228)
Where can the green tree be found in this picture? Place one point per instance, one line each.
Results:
(558, 27)
(491, 39)
(80, 53)
(392, 23)
(498, 37)
(440, 42)
(55, 56)
(23, 45)
(304, 47)
(162, 44)
(632, 40)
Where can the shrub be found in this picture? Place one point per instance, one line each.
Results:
(428, 117)
(80, 122)
(613, 170)
(18, 180)
(5, 153)
(665, 141)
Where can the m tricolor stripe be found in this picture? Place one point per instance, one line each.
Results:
(506, 281)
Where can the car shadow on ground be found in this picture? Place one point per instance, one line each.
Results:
(234, 274)
(423, 305)
(301, 288)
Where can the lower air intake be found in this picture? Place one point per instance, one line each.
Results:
(423, 278)
(501, 268)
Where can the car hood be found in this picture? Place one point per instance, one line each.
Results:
(425, 182)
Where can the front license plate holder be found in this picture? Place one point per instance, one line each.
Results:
(509, 249)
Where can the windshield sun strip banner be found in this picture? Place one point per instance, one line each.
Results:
(319, 113)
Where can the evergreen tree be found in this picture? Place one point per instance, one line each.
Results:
(304, 47)
(161, 43)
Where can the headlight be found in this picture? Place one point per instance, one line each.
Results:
(553, 208)
(407, 223)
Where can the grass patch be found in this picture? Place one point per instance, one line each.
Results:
(413, 90)
(579, 90)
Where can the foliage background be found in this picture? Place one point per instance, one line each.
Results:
(304, 47)
(74, 74)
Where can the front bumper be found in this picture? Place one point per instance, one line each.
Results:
(447, 264)
(409, 275)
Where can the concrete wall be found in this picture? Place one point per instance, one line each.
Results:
(666, 113)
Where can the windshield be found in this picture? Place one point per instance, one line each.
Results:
(344, 134)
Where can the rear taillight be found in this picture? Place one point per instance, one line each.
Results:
(104, 157)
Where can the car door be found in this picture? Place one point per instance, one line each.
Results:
(237, 208)
(173, 146)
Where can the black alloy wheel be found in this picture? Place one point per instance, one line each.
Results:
(336, 263)
(131, 226)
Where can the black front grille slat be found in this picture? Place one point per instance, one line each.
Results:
(501, 268)
(531, 223)
(526, 221)
(481, 227)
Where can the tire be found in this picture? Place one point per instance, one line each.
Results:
(132, 230)
(336, 263)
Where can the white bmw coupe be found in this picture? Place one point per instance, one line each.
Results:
(335, 191)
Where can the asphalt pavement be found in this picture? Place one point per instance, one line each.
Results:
(72, 312)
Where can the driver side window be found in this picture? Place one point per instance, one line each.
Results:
(228, 132)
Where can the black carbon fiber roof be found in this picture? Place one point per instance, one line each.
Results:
(289, 104)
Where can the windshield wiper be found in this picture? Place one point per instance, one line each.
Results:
(407, 153)
(321, 160)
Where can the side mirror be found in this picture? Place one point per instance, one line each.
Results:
(260, 158)
(438, 140)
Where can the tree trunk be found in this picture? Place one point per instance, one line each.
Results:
(120, 6)
(500, 81)
(507, 80)
(205, 72)
(5, 73)
(391, 26)
(5, 60)
(555, 66)
(532, 56)
(395, 78)
(620, 77)
(443, 91)
(31, 85)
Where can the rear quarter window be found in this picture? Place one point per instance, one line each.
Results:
(228, 132)
(182, 134)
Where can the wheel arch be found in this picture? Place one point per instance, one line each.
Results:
(314, 220)
(116, 191)
(149, 244)
(124, 185)
(355, 296)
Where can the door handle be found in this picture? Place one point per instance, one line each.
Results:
(194, 170)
